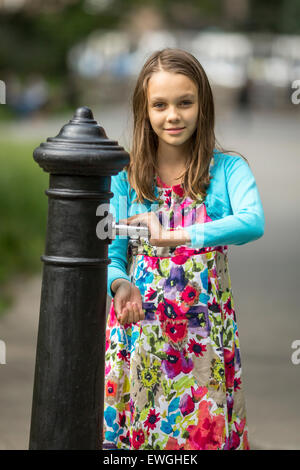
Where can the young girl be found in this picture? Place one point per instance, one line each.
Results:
(173, 364)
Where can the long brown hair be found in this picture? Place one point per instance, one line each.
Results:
(143, 156)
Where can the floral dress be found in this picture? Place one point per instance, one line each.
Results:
(173, 380)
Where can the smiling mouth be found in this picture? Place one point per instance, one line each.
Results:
(175, 129)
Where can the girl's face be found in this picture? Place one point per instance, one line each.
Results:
(172, 104)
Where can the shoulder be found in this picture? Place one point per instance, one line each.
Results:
(226, 159)
(226, 164)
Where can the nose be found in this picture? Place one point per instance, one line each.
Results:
(173, 115)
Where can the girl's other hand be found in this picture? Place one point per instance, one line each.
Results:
(128, 303)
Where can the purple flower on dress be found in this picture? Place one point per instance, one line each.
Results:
(237, 364)
(176, 281)
(175, 363)
(150, 310)
(229, 407)
(199, 319)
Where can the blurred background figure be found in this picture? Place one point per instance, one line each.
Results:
(58, 55)
(30, 98)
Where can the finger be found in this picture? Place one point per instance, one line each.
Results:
(136, 313)
(123, 316)
(130, 312)
(128, 219)
(141, 314)
(117, 306)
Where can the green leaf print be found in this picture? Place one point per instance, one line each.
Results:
(126, 398)
(215, 333)
(188, 266)
(197, 267)
(120, 406)
(166, 387)
(161, 355)
(210, 264)
(184, 383)
(171, 396)
(164, 267)
(219, 411)
(144, 414)
(227, 337)
(225, 296)
(189, 275)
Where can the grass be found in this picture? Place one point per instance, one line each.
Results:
(23, 212)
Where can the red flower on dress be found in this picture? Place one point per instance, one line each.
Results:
(151, 294)
(169, 310)
(138, 438)
(172, 444)
(180, 259)
(175, 330)
(240, 427)
(229, 367)
(214, 306)
(151, 262)
(186, 405)
(196, 348)
(209, 432)
(246, 445)
(190, 295)
(178, 189)
(199, 393)
(168, 200)
(228, 307)
(124, 355)
(122, 419)
(234, 441)
(151, 420)
(112, 318)
(184, 251)
(125, 439)
(176, 362)
(111, 388)
(237, 383)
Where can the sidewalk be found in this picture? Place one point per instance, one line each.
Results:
(18, 328)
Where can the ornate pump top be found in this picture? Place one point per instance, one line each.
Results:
(81, 148)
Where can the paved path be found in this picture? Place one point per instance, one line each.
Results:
(18, 328)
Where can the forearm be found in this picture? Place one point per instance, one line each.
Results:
(231, 230)
(174, 238)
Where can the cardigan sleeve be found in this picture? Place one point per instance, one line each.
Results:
(117, 250)
(247, 221)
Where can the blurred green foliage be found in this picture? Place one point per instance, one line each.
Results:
(23, 210)
(39, 41)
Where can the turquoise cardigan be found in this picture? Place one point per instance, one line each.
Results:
(232, 202)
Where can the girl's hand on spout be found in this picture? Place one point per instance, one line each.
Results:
(157, 234)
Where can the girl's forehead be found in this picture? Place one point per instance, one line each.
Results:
(169, 85)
